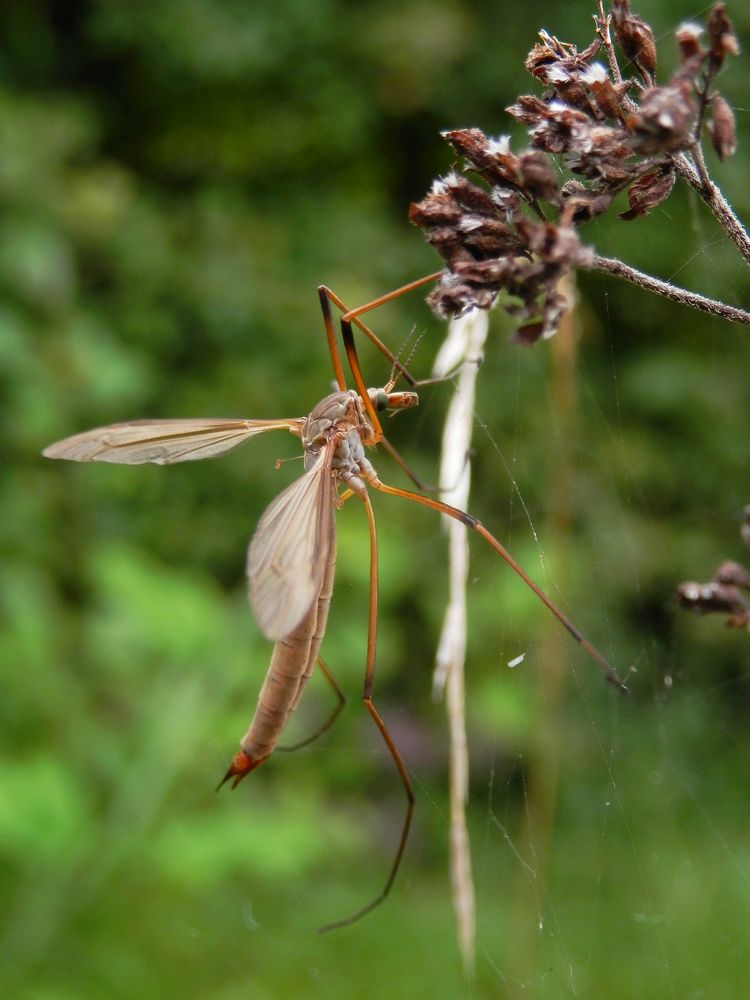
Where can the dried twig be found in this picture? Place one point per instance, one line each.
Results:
(728, 591)
(464, 342)
(609, 265)
(515, 234)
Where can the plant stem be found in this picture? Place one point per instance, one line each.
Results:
(697, 177)
(610, 265)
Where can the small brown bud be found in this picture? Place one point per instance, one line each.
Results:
(469, 142)
(649, 191)
(435, 210)
(488, 238)
(449, 245)
(722, 39)
(703, 598)
(491, 158)
(635, 37)
(537, 176)
(540, 57)
(607, 97)
(581, 204)
(664, 120)
(734, 573)
(528, 110)
(689, 43)
(722, 129)
(470, 196)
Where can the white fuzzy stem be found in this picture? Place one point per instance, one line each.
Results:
(464, 342)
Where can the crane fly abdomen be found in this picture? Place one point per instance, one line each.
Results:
(292, 663)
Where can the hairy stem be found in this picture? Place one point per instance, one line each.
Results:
(694, 172)
(610, 265)
(464, 342)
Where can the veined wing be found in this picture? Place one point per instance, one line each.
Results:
(287, 557)
(163, 441)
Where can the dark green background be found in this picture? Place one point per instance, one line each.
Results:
(176, 180)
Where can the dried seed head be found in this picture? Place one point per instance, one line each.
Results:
(722, 129)
(503, 238)
(538, 177)
(607, 97)
(703, 598)
(636, 38)
(663, 122)
(721, 36)
(491, 158)
(649, 191)
(733, 572)
(581, 203)
(689, 41)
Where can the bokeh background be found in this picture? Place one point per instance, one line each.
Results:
(177, 178)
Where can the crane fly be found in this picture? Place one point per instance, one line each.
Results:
(292, 556)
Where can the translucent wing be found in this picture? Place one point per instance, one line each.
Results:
(287, 557)
(163, 441)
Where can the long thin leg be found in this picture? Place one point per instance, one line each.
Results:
(326, 295)
(351, 353)
(341, 702)
(476, 525)
(401, 461)
(370, 706)
(397, 458)
(352, 316)
(389, 296)
(359, 380)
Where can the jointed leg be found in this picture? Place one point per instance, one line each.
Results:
(370, 705)
(476, 525)
(424, 487)
(341, 702)
(352, 316)
(327, 296)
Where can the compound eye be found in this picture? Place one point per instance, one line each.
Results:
(379, 399)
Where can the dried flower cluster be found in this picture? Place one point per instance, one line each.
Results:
(728, 591)
(518, 233)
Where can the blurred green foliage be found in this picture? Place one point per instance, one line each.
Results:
(176, 181)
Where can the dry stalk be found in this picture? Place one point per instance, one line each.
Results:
(464, 343)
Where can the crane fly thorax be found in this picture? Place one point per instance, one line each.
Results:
(341, 420)
(334, 416)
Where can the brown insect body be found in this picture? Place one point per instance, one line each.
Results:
(334, 436)
(292, 663)
(292, 556)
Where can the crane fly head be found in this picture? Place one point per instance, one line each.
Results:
(383, 400)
